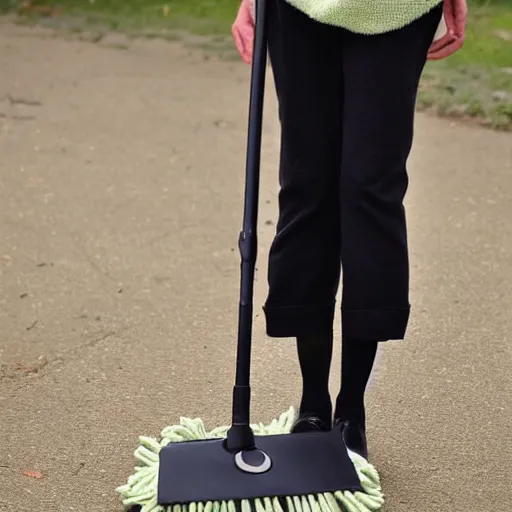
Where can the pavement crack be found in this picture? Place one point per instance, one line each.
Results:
(22, 101)
(93, 264)
(94, 342)
(45, 366)
(23, 118)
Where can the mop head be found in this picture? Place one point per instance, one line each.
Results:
(141, 488)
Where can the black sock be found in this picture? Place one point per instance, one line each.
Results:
(315, 354)
(357, 363)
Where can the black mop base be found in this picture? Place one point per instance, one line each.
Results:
(300, 464)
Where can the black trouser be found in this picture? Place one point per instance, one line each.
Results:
(346, 104)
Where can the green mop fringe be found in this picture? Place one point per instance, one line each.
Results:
(141, 488)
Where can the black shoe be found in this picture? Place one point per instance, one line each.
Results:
(310, 424)
(354, 436)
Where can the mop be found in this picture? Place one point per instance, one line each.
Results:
(250, 467)
(141, 488)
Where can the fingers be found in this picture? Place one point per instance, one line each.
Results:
(243, 32)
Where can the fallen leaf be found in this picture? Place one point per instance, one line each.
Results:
(33, 474)
(43, 10)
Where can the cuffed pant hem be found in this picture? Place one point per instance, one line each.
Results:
(375, 324)
(294, 321)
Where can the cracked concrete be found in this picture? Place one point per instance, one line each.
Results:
(21, 101)
(133, 169)
(20, 373)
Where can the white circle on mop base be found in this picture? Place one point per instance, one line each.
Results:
(248, 468)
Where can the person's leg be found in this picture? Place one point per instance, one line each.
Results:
(356, 368)
(315, 353)
(380, 82)
(381, 76)
(304, 259)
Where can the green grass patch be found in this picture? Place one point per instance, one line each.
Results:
(476, 82)
(7, 6)
(204, 17)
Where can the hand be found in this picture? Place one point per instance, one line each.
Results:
(243, 30)
(451, 32)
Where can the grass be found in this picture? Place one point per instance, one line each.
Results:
(475, 83)
(204, 17)
(7, 5)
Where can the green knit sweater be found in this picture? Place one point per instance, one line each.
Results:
(365, 16)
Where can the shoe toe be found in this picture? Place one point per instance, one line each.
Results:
(309, 424)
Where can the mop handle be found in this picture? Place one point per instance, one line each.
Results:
(240, 435)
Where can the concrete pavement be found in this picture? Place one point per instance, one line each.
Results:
(121, 181)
